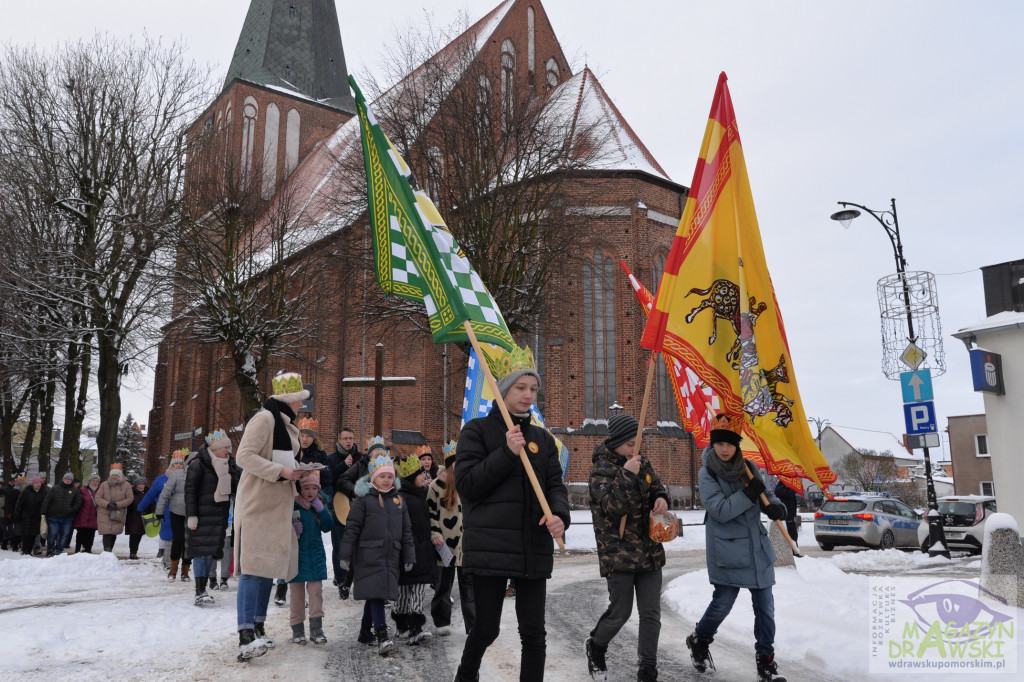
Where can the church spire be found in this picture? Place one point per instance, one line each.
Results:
(295, 45)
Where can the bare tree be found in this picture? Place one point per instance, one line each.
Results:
(95, 130)
(240, 279)
(496, 155)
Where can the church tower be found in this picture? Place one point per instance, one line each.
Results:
(286, 89)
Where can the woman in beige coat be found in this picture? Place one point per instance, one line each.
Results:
(113, 495)
(265, 543)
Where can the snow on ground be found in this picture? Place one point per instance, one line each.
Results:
(822, 613)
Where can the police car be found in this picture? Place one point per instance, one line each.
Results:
(868, 520)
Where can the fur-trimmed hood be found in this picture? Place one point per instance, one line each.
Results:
(363, 485)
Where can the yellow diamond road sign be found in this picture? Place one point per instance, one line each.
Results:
(913, 356)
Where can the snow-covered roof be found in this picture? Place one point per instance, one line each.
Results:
(583, 100)
(994, 323)
(879, 441)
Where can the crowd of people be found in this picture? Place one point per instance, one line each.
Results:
(399, 525)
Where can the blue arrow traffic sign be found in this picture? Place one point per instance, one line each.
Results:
(920, 417)
(917, 386)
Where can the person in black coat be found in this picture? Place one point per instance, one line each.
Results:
(29, 513)
(412, 590)
(338, 462)
(134, 525)
(505, 531)
(210, 480)
(787, 496)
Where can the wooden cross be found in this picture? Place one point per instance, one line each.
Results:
(377, 383)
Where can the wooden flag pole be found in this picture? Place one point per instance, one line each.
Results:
(779, 523)
(508, 422)
(651, 364)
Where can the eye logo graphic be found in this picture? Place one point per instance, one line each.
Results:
(959, 616)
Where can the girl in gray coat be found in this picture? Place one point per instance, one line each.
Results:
(739, 553)
(173, 497)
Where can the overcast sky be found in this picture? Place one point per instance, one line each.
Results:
(855, 101)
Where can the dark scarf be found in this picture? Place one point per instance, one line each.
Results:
(731, 470)
(282, 441)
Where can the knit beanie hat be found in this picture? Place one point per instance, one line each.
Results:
(375, 443)
(37, 479)
(621, 427)
(313, 480)
(116, 470)
(379, 465)
(68, 476)
(94, 475)
(724, 430)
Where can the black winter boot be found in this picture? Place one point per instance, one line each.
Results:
(700, 656)
(366, 633)
(384, 643)
(299, 634)
(647, 673)
(465, 677)
(402, 625)
(202, 596)
(596, 666)
(767, 671)
(279, 593)
(262, 634)
(316, 631)
(417, 633)
(249, 646)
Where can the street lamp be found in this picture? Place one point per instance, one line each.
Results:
(890, 223)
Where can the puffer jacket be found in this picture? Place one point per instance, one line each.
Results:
(29, 510)
(445, 523)
(312, 557)
(150, 500)
(739, 552)
(134, 525)
(500, 510)
(173, 495)
(62, 502)
(200, 484)
(424, 568)
(377, 541)
(86, 517)
(121, 495)
(616, 492)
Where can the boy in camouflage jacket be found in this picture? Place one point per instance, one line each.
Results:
(625, 486)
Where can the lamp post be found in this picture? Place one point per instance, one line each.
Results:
(890, 223)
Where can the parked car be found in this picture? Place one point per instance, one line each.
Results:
(869, 520)
(963, 520)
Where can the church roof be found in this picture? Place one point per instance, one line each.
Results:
(580, 99)
(294, 46)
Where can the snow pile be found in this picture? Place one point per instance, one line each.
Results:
(999, 521)
(83, 616)
(892, 560)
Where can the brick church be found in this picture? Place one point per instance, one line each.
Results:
(286, 110)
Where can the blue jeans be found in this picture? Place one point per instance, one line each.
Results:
(764, 615)
(373, 611)
(58, 533)
(253, 598)
(201, 566)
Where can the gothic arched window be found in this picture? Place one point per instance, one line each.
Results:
(599, 335)
(664, 393)
(249, 113)
(508, 81)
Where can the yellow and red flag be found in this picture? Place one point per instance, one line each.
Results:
(717, 313)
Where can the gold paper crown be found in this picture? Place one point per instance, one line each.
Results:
(290, 382)
(449, 449)
(503, 362)
(181, 454)
(409, 466)
(423, 450)
(378, 462)
(724, 422)
(219, 434)
(116, 467)
(308, 424)
(375, 441)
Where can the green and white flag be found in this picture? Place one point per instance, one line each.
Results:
(415, 253)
